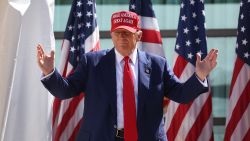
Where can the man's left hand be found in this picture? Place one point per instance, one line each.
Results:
(204, 67)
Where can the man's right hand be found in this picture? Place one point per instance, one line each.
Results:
(45, 62)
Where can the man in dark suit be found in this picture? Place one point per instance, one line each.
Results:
(124, 87)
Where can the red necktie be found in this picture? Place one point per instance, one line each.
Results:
(129, 109)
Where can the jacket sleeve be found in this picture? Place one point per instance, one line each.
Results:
(73, 85)
(181, 92)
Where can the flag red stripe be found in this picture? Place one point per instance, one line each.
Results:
(238, 65)
(238, 111)
(65, 68)
(178, 116)
(179, 66)
(62, 44)
(67, 116)
(165, 102)
(66, 63)
(247, 136)
(151, 36)
(76, 129)
(212, 137)
(201, 120)
(56, 109)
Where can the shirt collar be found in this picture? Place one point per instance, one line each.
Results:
(132, 56)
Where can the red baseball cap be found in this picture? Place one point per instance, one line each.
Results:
(126, 20)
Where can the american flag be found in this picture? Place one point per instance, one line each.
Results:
(151, 38)
(81, 35)
(238, 115)
(193, 121)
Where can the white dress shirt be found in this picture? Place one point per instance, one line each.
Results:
(119, 64)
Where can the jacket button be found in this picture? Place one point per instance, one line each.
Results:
(115, 126)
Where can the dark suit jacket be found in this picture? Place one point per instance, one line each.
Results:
(96, 77)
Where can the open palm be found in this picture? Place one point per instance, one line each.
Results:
(45, 62)
(204, 67)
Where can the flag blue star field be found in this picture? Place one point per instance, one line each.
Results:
(238, 119)
(193, 121)
(243, 38)
(81, 36)
(191, 35)
(80, 27)
(151, 40)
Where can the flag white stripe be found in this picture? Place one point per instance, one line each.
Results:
(149, 23)
(92, 40)
(69, 69)
(63, 109)
(152, 48)
(64, 55)
(237, 90)
(170, 113)
(205, 135)
(187, 72)
(73, 122)
(242, 126)
(176, 55)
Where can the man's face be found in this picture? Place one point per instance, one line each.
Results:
(125, 41)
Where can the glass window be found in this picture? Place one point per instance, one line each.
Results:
(63, 2)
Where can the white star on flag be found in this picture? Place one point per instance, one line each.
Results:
(244, 42)
(192, 2)
(79, 3)
(183, 18)
(89, 3)
(242, 16)
(188, 43)
(243, 29)
(182, 5)
(88, 25)
(72, 49)
(79, 14)
(133, 6)
(246, 55)
(194, 15)
(190, 55)
(186, 30)
(196, 28)
(197, 41)
(70, 27)
(177, 46)
(89, 14)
